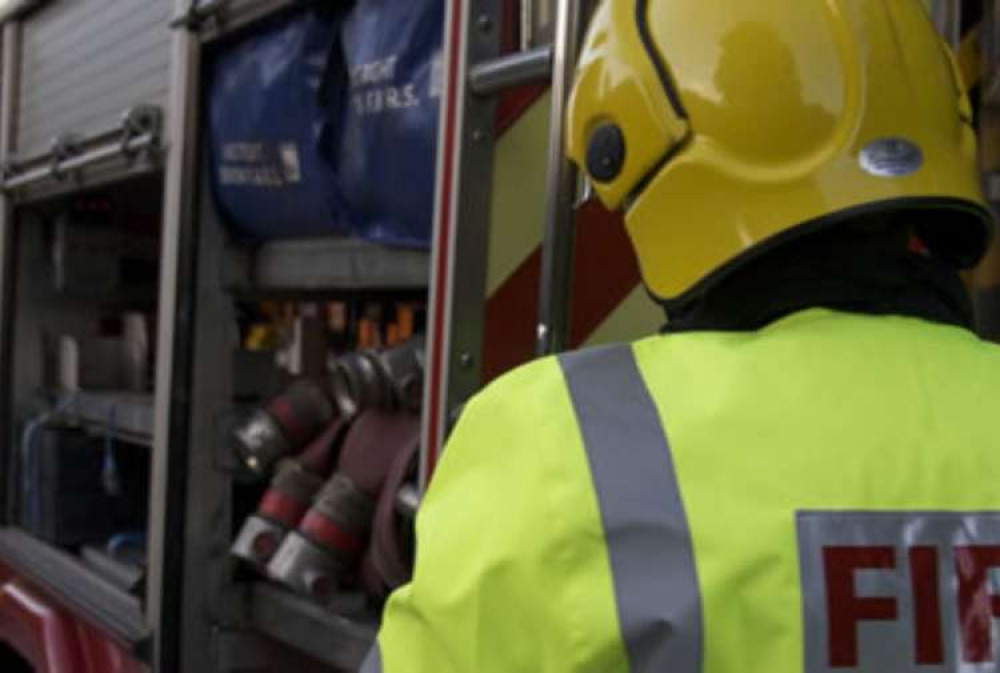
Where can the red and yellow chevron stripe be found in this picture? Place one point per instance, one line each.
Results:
(609, 303)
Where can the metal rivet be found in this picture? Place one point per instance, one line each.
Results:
(466, 359)
(484, 23)
(478, 135)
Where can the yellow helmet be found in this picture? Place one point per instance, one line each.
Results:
(723, 127)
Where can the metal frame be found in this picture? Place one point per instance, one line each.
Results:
(209, 602)
(461, 224)
(168, 485)
(10, 73)
(12, 8)
(555, 293)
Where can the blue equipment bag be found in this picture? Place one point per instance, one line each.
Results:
(274, 109)
(388, 151)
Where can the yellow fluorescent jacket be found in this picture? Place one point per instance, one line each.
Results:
(819, 496)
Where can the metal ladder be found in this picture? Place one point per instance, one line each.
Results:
(475, 74)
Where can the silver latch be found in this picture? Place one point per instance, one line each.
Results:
(63, 148)
(9, 169)
(138, 121)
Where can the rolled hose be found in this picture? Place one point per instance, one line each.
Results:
(389, 379)
(375, 440)
(366, 461)
(332, 537)
(288, 497)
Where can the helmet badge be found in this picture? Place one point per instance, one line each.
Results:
(891, 158)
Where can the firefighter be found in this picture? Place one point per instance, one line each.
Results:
(801, 473)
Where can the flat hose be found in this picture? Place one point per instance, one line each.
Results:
(375, 440)
(332, 537)
(320, 456)
(388, 562)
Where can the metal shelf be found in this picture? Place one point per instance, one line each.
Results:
(334, 639)
(80, 589)
(127, 416)
(330, 264)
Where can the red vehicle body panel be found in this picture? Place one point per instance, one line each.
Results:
(53, 640)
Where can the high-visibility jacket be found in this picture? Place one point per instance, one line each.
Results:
(821, 495)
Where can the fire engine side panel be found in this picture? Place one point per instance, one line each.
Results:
(609, 302)
(85, 62)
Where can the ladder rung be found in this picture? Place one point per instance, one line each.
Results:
(524, 67)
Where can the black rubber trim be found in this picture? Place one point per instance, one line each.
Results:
(641, 19)
(82, 591)
(955, 206)
(651, 174)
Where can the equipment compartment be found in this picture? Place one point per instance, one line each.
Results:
(84, 329)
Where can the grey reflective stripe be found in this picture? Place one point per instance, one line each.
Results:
(373, 662)
(648, 541)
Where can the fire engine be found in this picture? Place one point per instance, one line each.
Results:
(255, 255)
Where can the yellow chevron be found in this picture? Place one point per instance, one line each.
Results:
(517, 208)
(634, 318)
(518, 212)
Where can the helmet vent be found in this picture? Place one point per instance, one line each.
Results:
(606, 153)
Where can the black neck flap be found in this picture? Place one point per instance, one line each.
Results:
(827, 273)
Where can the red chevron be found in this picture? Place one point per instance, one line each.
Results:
(605, 273)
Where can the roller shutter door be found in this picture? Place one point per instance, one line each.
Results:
(85, 62)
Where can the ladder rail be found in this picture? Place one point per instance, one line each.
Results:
(460, 247)
(555, 294)
(475, 74)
